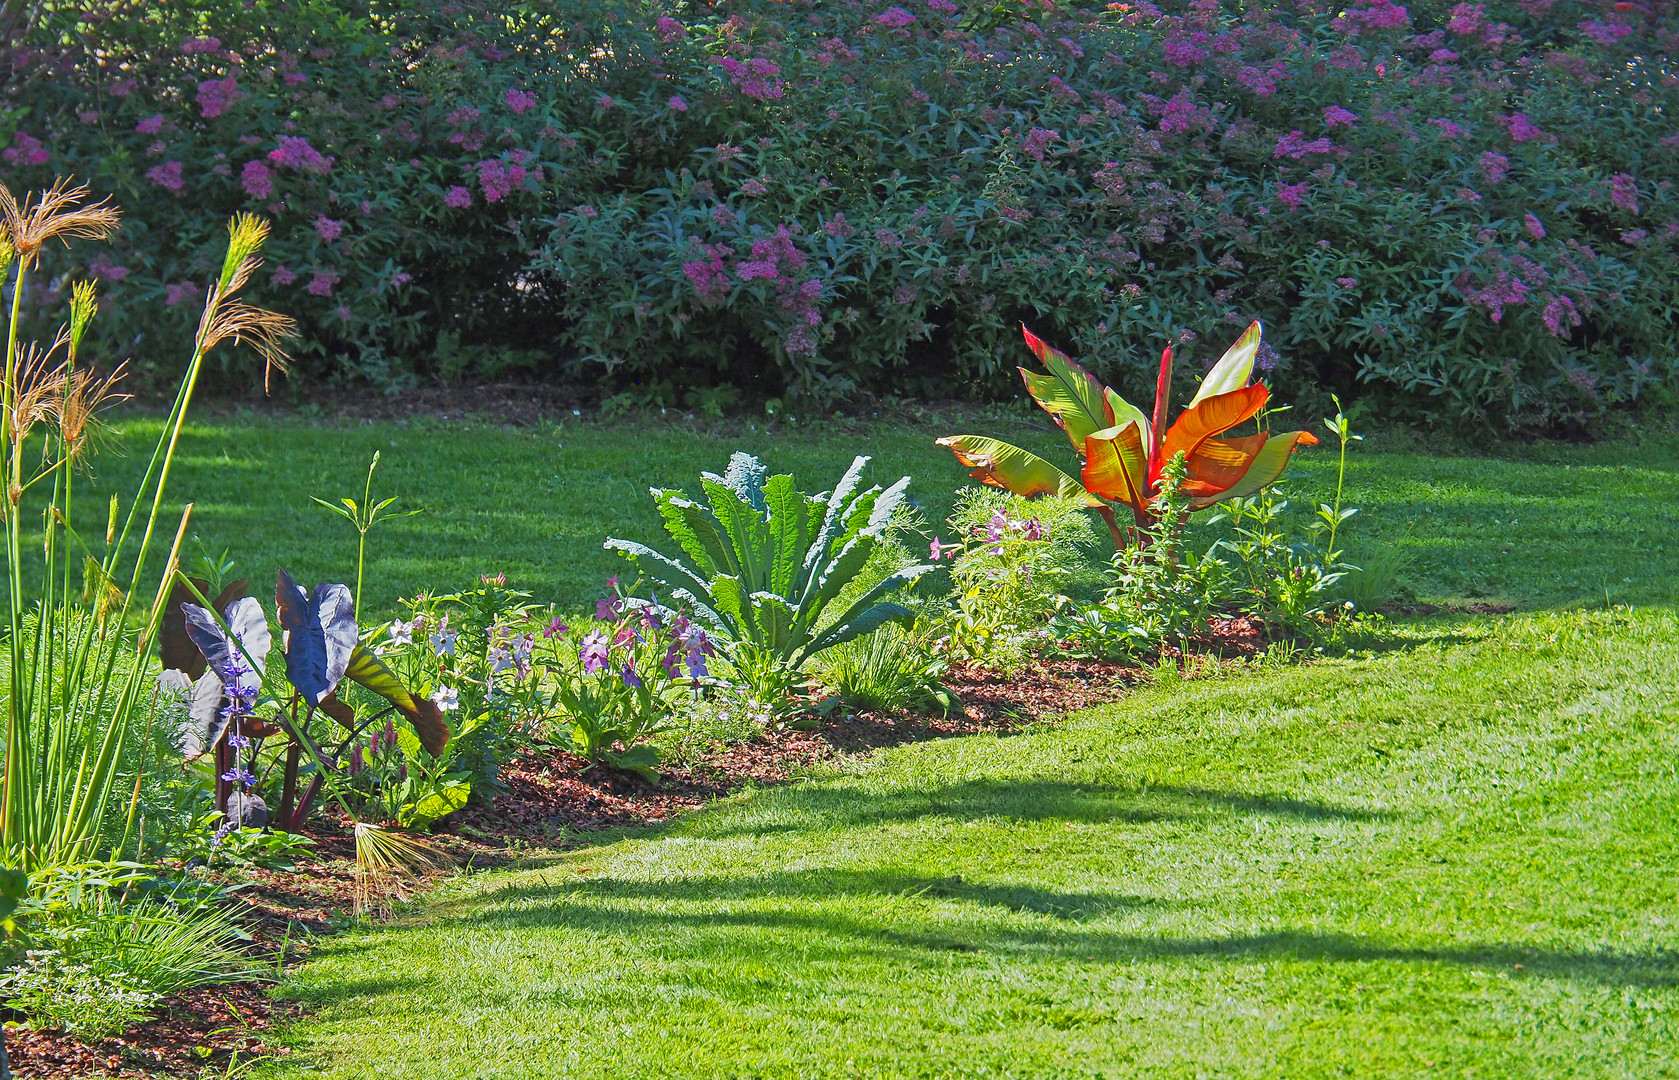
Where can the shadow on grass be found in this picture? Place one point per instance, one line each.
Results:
(1010, 800)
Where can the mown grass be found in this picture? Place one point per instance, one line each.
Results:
(1545, 526)
(1454, 860)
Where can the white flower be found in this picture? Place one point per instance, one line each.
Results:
(446, 698)
(443, 642)
(402, 633)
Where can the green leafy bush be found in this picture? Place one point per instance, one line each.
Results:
(1466, 208)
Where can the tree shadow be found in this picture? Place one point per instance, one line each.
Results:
(1015, 800)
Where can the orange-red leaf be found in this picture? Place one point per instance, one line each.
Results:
(1069, 393)
(1267, 465)
(1009, 467)
(1211, 418)
(1116, 465)
(1217, 464)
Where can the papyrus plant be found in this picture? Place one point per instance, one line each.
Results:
(76, 680)
(1123, 452)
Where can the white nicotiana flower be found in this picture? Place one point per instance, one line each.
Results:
(447, 698)
(443, 641)
(402, 633)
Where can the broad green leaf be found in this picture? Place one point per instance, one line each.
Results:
(839, 573)
(1068, 393)
(710, 534)
(775, 620)
(666, 571)
(789, 525)
(907, 576)
(733, 604)
(745, 477)
(672, 506)
(1234, 368)
(886, 504)
(747, 532)
(1013, 469)
(833, 521)
(440, 803)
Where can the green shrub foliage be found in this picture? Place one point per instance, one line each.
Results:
(1465, 208)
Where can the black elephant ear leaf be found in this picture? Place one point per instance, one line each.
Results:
(249, 625)
(205, 718)
(237, 590)
(175, 646)
(320, 635)
(337, 614)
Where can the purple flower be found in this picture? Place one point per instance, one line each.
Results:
(167, 176)
(182, 292)
(1036, 142)
(457, 197)
(1294, 145)
(322, 283)
(1521, 128)
(938, 549)
(1335, 116)
(631, 679)
(677, 104)
(258, 181)
(1494, 167)
(669, 29)
(193, 46)
(608, 609)
(296, 153)
(328, 229)
(555, 628)
(216, 96)
(1346, 282)
(1448, 129)
(241, 777)
(519, 101)
(26, 150)
(1034, 530)
(894, 18)
(1533, 226)
(594, 652)
(282, 276)
(239, 742)
(1291, 195)
(151, 125)
(1623, 192)
(1560, 316)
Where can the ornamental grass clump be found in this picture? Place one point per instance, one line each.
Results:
(75, 671)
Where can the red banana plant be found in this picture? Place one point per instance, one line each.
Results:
(1122, 451)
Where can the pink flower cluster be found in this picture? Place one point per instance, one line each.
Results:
(894, 18)
(498, 177)
(295, 152)
(1521, 128)
(216, 96)
(1181, 115)
(1623, 192)
(328, 229)
(669, 30)
(519, 101)
(258, 181)
(1494, 167)
(1370, 15)
(1036, 141)
(756, 78)
(199, 46)
(707, 273)
(1291, 195)
(1294, 145)
(182, 292)
(1335, 116)
(25, 150)
(167, 176)
(322, 283)
(151, 125)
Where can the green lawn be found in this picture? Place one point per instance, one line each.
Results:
(1457, 860)
(1550, 526)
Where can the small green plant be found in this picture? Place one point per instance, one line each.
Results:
(892, 671)
(1162, 593)
(1008, 562)
(766, 561)
(55, 992)
(362, 517)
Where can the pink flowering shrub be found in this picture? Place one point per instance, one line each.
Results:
(823, 198)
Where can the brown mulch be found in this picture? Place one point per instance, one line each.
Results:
(553, 798)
